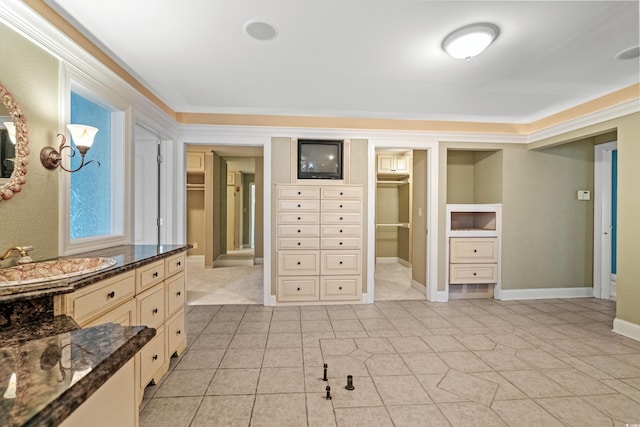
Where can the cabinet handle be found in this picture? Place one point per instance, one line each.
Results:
(475, 250)
(155, 311)
(475, 274)
(298, 218)
(298, 205)
(155, 274)
(299, 243)
(340, 243)
(155, 357)
(179, 263)
(298, 289)
(298, 231)
(340, 205)
(178, 293)
(299, 193)
(298, 262)
(341, 231)
(111, 294)
(341, 193)
(340, 218)
(178, 332)
(340, 262)
(339, 288)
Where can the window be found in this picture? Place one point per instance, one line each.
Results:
(96, 193)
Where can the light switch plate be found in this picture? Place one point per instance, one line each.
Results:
(584, 195)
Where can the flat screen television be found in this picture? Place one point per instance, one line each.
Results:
(319, 159)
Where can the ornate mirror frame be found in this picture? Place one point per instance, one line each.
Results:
(17, 180)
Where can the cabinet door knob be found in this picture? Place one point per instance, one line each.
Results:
(179, 263)
(178, 293)
(341, 193)
(298, 262)
(339, 288)
(299, 205)
(475, 250)
(155, 311)
(340, 243)
(299, 243)
(341, 231)
(178, 332)
(340, 205)
(340, 218)
(299, 193)
(475, 274)
(298, 218)
(111, 294)
(155, 357)
(298, 289)
(155, 274)
(340, 262)
(299, 231)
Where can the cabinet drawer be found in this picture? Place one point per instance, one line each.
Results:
(473, 273)
(301, 243)
(341, 206)
(299, 205)
(341, 218)
(175, 294)
(175, 263)
(176, 334)
(298, 288)
(149, 275)
(125, 315)
(298, 218)
(340, 243)
(338, 230)
(302, 230)
(151, 307)
(298, 263)
(341, 193)
(473, 250)
(306, 192)
(340, 288)
(340, 262)
(92, 301)
(152, 358)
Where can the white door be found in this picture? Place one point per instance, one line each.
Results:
(604, 221)
(147, 186)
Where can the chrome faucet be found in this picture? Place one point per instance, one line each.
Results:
(23, 251)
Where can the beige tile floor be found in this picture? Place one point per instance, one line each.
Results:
(414, 363)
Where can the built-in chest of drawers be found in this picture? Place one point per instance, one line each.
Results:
(152, 295)
(319, 243)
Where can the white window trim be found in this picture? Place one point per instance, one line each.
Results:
(73, 80)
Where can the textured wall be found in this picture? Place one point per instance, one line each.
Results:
(31, 75)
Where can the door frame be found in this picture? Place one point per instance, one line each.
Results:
(602, 220)
(431, 146)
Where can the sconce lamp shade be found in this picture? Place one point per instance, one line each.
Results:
(82, 135)
(11, 130)
(469, 41)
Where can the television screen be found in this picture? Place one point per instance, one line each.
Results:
(319, 159)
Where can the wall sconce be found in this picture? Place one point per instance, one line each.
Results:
(11, 130)
(82, 136)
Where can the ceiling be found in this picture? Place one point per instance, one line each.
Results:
(367, 58)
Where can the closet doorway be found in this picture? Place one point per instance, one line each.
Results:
(400, 236)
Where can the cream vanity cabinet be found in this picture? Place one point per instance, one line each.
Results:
(319, 243)
(473, 250)
(152, 295)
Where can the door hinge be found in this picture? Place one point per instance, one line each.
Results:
(159, 158)
(159, 222)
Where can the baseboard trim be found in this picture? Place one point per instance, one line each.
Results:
(439, 296)
(613, 291)
(419, 287)
(627, 329)
(195, 258)
(543, 293)
(258, 261)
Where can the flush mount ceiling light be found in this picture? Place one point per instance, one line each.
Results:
(470, 40)
(260, 30)
(629, 53)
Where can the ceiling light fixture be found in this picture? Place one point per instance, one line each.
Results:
(629, 53)
(470, 40)
(260, 30)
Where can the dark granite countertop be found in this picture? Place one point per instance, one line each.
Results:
(43, 380)
(128, 257)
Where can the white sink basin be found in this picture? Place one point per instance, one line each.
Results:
(45, 271)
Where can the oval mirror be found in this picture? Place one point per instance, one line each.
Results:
(14, 146)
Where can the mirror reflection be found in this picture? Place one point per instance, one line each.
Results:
(7, 144)
(14, 146)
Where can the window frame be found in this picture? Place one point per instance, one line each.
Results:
(121, 193)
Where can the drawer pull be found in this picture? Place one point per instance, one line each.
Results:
(298, 289)
(299, 193)
(155, 311)
(299, 231)
(341, 193)
(340, 205)
(178, 332)
(178, 293)
(179, 263)
(155, 357)
(341, 231)
(299, 243)
(340, 262)
(340, 218)
(299, 205)
(339, 288)
(298, 218)
(475, 274)
(111, 294)
(475, 250)
(155, 274)
(298, 262)
(340, 243)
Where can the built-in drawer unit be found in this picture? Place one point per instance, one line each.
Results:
(176, 336)
(340, 262)
(473, 273)
(86, 304)
(124, 314)
(175, 264)
(175, 297)
(319, 233)
(473, 250)
(298, 288)
(298, 263)
(343, 288)
(151, 309)
(149, 275)
(152, 359)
